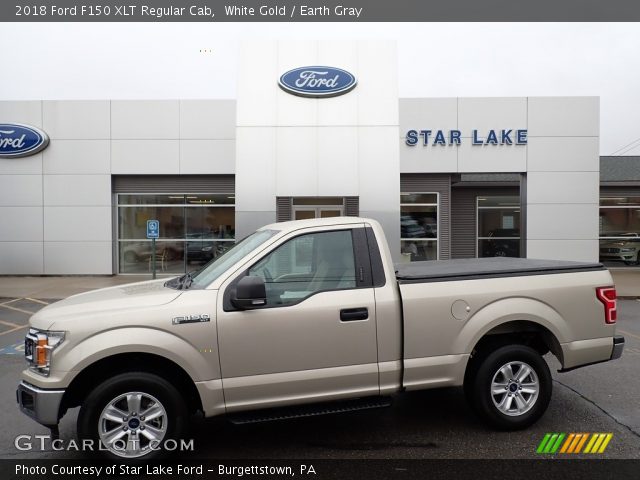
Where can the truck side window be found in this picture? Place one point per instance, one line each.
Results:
(308, 264)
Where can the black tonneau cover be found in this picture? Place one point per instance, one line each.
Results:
(476, 268)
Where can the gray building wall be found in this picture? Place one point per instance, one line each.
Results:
(344, 146)
(56, 206)
(561, 160)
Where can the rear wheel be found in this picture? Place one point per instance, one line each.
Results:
(510, 388)
(132, 415)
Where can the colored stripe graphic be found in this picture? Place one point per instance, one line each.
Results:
(567, 443)
(552, 440)
(591, 443)
(598, 443)
(550, 443)
(555, 447)
(582, 442)
(573, 443)
(543, 443)
(606, 441)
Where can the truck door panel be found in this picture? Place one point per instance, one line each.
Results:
(298, 347)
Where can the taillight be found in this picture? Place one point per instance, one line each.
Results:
(607, 295)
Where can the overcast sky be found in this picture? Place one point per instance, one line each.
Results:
(163, 60)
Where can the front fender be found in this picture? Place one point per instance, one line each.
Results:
(508, 310)
(199, 361)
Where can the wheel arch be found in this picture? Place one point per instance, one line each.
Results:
(106, 367)
(514, 320)
(522, 332)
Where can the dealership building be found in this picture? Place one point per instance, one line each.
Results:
(317, 130)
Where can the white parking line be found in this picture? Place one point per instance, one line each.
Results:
(13, 330)
(630, 334)
(9, 324)
(35, 300)
(4, 305)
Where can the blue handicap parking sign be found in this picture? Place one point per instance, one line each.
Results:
(153, 228)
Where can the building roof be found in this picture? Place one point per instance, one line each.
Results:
(620, 169)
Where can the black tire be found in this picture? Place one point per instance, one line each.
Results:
(175, 421)
(478, 387)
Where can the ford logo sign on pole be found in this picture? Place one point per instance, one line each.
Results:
(21, 140)
(317, 82)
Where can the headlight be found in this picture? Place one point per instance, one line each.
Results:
(38, 347)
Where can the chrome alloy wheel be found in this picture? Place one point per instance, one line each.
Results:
(515, 388)
(132, 424)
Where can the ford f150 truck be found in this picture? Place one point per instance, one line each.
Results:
(311, 317)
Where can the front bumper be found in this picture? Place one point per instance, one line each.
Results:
(618, 346)
(40, 404)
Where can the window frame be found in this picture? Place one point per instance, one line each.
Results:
(619, 263)
(496, 207)
(615, 207)
(362, 266)
(437, 205)
(184, 240)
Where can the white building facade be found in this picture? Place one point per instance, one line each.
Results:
(446, 177)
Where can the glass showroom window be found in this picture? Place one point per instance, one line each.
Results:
(498, 226)
(419, 226)
(194, 229)
(620, 230)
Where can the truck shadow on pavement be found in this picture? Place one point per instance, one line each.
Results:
(402, 427)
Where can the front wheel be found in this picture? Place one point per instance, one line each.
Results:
(132, 415)
(511, 387)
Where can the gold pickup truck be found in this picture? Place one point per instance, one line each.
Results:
(310, 317)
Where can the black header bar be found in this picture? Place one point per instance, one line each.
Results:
(319, 11)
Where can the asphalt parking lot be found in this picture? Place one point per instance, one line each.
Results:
(433, 424)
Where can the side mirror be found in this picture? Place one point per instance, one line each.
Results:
(250, 293)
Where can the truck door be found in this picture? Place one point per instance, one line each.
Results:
(315, 339)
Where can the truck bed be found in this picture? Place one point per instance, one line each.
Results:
(477, 268)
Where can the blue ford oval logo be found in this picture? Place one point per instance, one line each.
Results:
(21, 140)
(317, 81)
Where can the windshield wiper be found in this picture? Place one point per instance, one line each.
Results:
(185, 281)
(180, 283)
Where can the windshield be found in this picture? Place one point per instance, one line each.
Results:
(214, 269)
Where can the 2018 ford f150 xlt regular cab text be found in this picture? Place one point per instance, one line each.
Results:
(308, 313)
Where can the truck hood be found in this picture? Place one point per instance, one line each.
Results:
(104, 301)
